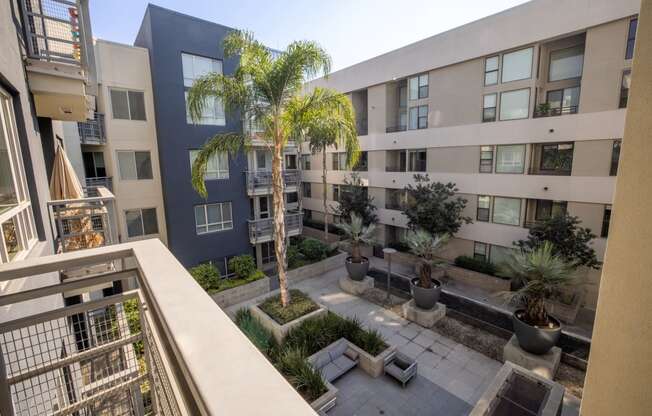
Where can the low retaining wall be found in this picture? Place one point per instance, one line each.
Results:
(280, 331)
(315, 269)
(327, 400)
(477, 279)
(374, 366)
(242, 293)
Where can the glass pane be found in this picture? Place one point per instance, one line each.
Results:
(510, 159)
(127, 165)
(402, 97)
(143, 165)
(566, 63)
(489, 100)
(119, 104)
(134, 223)
(517, 65)
(507, 211)
(214, 213)
(423, 80)
(149, 221)
(200, 215)
(491, 78)
(414, 88)
(571, 97)
(413, 118)
(480, 248)
(484, 201)
(499, 254)
(514, 104)
(137, 105)
(188, 75)
(8, 197)
(10, 235)
(491, 64)
(226, 210)
(554, 98)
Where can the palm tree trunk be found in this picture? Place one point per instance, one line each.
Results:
(536, 312)
(425, 275)
(323, 181)
(279, 218)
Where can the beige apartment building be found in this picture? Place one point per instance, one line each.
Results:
(525, 118)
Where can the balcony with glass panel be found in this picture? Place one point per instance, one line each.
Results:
(540, 210)
(262, 230)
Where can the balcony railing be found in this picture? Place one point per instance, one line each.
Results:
(92, 131)
(362, 126)
(260, 181)
(262, 230)
(54, 30)
(94, 183)
(395, 129)
(550, 172)
(557, 111)
(161, 347)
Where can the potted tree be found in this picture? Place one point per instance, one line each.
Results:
(357, 265)
(542, 273)
(425, 289)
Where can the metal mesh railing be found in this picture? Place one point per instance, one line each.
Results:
(262, 230)
(54, 30)
(92, 131)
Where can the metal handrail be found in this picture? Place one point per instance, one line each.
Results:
(395, 129)
(264, 228)
(556, 111)
(263, 178)
(92, 131)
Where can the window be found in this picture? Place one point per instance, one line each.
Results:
(606, 219)
(486, 159)
(263, 160)
(514, 105)
(557, 157)
(195, 67)
(363, 163)
(484, 206)
(141, 222)
(631, 38)
(507, 211)
(510, 158)
(267, 252)
(210, 218)
(416, 160)
(292, 198)
(499, 254)
(480, 251)
(127, 105)
(615, 156)
(489, 107)
(290, 161)
(517, 65)
(336, 192)
(395, 199)
(418, 117)
(566, 63)
(306, 189)
(491, 70)
(418, 87)
(94, 164)
(134, 165)
(305, 162)
(339, 161)
(546, 209)
(563, 101)
(263, 203)
(217, 166)
(16, 218)
(624, 88)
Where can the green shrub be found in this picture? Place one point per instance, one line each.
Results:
(243, 266)
(257, 334)
(306, 379)
(207, 276)
(370, 340)
(314, 250)
(300, 305)
(295, 257)
(477, 265)
(132, 313)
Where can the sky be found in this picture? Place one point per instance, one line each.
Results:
(351, 31)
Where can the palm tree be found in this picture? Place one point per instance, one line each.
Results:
(358, 234)
(330, 133)
(542, 273)
(267, 88)
(424, 245)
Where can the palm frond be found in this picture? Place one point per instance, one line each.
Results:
(424, 245)
(224, 142)
(357, 232)
(232, 92)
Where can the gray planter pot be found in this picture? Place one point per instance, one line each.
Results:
(535, 340)
(357, 271)
(425, 298)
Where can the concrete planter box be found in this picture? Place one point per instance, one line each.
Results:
(566, 313)
(242, 293)
(374, 366)
(472, 278)
(315, 269)
(280, 331)
(326, 401)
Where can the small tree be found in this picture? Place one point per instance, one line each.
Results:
(543, 273)
(569, 240)
(355, 199)
(358, 234)
(434, 207)
(424, 245)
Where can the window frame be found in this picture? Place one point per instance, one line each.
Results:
(496, 71)
(306, 190)
(488, 209)
(565, 49)
(502, 64)
(133, 152)
(615, 162)
(419, 117)
(631, 39)
(624, 92)
(420, 88)
(336, 190)
(485, 149)
(556, 146)
(522, 159)
(207, 224)
(527, 109)
(219, 118)
(493, 210)
(220, 174)
(481, 256)
(127, 91)
(337, 163)
(142, 223)
(486, 119)
(408, 166)
(305, 162)
(606, 221)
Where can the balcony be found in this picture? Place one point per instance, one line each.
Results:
(94, 183)
(543, 111)
(262, 230)
(92, 131)
(144, 350)
(259, 182)
(395, 129)
(554, 159)
(60, 63)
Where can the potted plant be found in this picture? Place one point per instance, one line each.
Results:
(425, 289)
(542, 273)
(357, 265)
(543, 109)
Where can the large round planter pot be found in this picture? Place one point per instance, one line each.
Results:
(425, 298)
(534, 339)
(357, 271)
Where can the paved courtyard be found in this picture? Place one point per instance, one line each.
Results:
(446, 368)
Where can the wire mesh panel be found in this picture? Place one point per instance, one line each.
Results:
(53, 30)
(92, 131)
(86, 359)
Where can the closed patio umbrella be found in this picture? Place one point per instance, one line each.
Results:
(64, 183)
